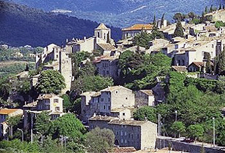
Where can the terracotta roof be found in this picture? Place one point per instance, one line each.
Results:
(101, 58)
(139, 27)
(147, 92)
(106, 46)
(102, 27)
(198, 64)
(8, 111)
(179, 68)
(124, 150)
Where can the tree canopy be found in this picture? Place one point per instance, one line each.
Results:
(179, 31)
(50, 81)
(100, 140)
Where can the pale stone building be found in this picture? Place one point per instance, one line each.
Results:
(4, 114)
(136, 29)
(128, 133)
(144, 98)
(56, 58)
(107, 66)
(101, 40)
(109, 101)
(51, 103)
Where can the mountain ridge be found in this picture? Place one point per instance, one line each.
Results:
(21, 25)
(112, 12)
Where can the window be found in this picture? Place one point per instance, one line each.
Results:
(104, 106)
(56, 100)
(108, 99)
(57, 109)
(102, 99)
(108, 107)
(125, 133)
(123, 114)
(125, 141)
(126, 98)
(121, 140)
(121, 133)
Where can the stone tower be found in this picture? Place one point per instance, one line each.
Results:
(103, 32)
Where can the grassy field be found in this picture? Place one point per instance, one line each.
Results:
(9, 63)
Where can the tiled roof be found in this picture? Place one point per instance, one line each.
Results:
(106, 46)
(33, 104)
(128, 122)
(102, 27)
(198, 64)
(124, 150)
(139, 27)
(148, 92)
(113, 88)
(46, 96)
(103, 118)
(101, 58)
(8, 111)
(179, 68)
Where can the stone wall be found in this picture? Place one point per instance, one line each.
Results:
(162, 142)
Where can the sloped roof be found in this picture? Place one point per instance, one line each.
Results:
(128, 122)
(7, 111)
(147, 92)
(113, 88)
(124, 149)
(106, 46)
(179, 68)
(139, 27)
(102, 27)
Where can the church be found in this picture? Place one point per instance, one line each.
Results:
(100, 41)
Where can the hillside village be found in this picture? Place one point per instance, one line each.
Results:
(134, 75)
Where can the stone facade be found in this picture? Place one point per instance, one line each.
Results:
(4, 114)
(58, 59)
(144, 98)
(128, 133)
(107, 102)
(107, 67)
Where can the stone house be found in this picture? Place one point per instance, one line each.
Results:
(101, 40)
(107, 102)
(107, 66)
(4, 114)
(136, 29)
(45, 102)
(56, 58)
(144, 98)
(128, 133)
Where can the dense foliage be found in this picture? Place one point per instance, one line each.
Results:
(50, 81)
(100, 140)
(139, 71)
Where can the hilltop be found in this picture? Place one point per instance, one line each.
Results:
(112, 12)
(21, 25)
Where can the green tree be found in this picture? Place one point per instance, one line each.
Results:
(146, 112)
(221, 62)
(208, 63)
(162, 20)
(178, 128)
(68, 125)
(142, 39)
(67, 105)
(179, 31)
(43, 123)
(13, 121)
(154, 21)
(91, 83)
(178, 17)
(100, 140)
(50, 81)
(191, 15)
(195, 131)
(206, 10)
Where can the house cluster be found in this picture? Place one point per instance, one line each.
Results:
(113, 108)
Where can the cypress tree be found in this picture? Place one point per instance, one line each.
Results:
(211, 8)
(206, 10)
(220, 7)
(154, 21)
(208, 63)
(179, 32)
(162, 20)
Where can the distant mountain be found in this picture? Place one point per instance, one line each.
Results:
(21, 25)
(122, 13)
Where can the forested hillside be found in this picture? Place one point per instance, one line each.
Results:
(21, 25)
